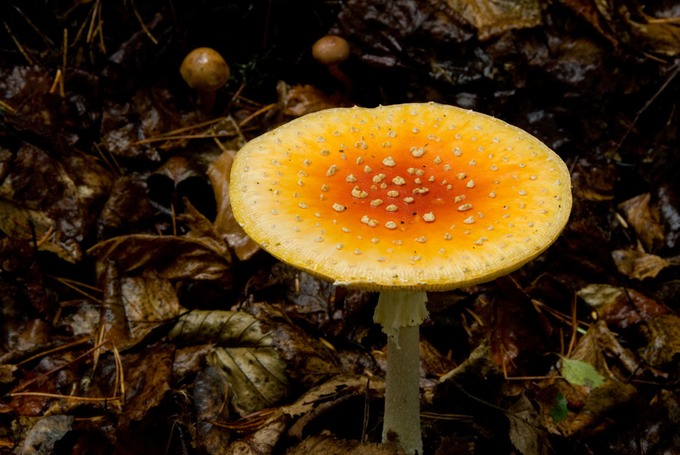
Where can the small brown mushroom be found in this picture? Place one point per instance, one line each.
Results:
(205, 71)
(332, 51)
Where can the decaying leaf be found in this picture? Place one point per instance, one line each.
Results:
(245, 350)
(298, 100)
(174, 258)
(211, 400)
(325, 445)
(257, 376)
(44, 434)
(600, 403)
(149, 301)
(644, 219)
(620, 307)
(260, 442)
(225, 223)
(663, 337)
(493, 17)
(524, 431)
(637, 264)
(59, 194)
(126, 208)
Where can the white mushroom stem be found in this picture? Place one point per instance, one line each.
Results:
(400, 315)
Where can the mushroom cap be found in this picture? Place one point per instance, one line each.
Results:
(410, 196)
(330, 49)
(204, 69)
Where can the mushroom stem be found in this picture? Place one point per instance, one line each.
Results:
(400, 314)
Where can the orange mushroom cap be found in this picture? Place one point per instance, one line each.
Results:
(410, 196)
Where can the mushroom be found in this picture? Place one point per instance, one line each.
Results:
(332, 50)
(401, 199)
(205, 71)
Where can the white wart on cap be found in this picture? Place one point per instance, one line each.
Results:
(411, 196)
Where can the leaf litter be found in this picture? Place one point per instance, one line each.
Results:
(137, 316)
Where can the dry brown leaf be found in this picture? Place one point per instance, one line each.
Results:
(225, 224)
(211, 400)
(663, 337)
(174, 258)
(298, 100)
(599, 404)
(42, 435)
(644, 220)
(245, 351)
(149, 301)
(59, 194)
(637, 264)
(620, 307)
(493, 17)
(261, 442)
(329, 445)
(524, 432)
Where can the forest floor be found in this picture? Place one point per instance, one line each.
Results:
(136, 317)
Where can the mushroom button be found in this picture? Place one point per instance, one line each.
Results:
(401, 199)
(205, 71)
(333, 50)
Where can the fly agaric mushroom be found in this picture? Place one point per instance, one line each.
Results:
(205, 71)
(402, 200)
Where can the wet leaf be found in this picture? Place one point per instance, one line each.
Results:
(578, 372)
(244, 351)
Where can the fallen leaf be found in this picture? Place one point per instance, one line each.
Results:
(44, 434)
(524, 432)
(620, 307)
(493, 17)
(149, 301)
(581, 373)
(599, 404)
(211, 400)
(328, 445)
(225, 223)
(126, 209)
(245, 351)
(298, 100)
(174, 258)
(663, 341)
(637, 264)
(644, 219)
(261, 442)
